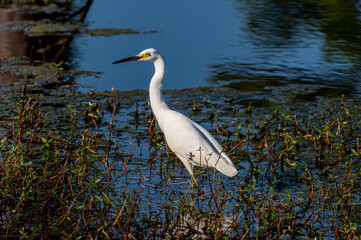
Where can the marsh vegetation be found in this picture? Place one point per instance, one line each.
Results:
(95, 165)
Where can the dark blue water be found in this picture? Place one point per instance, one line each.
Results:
(190, 34)
(240, 44)
(246, 45)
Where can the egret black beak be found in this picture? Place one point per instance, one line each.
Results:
(134, 58)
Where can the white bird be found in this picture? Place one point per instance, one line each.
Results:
(193, 144)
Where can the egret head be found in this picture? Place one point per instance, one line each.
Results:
(148, 55)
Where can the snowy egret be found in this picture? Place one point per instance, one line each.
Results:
(193, 144)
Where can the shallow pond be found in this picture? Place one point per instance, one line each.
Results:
(272, 75)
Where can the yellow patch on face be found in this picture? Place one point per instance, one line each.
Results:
(144, 55)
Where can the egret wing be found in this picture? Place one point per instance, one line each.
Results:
(188, 140)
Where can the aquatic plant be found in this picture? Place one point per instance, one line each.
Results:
(98, 167)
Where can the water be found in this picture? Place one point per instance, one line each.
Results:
(238, 44)
(189, 35)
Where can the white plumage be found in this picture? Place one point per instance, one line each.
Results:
(193, 144)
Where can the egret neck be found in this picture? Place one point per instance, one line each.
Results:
(155, 91)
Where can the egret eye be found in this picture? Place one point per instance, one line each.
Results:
(147, 54)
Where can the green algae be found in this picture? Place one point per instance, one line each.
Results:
(46, 27)
(113, 31)
(39, 73)
(31, 8)
(40, 28)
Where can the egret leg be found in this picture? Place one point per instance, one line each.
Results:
(189, 167)
(195, 181)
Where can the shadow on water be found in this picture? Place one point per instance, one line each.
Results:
(19, 41)
(33, 31)
(312, 42)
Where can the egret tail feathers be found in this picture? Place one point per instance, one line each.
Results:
(226, 167)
